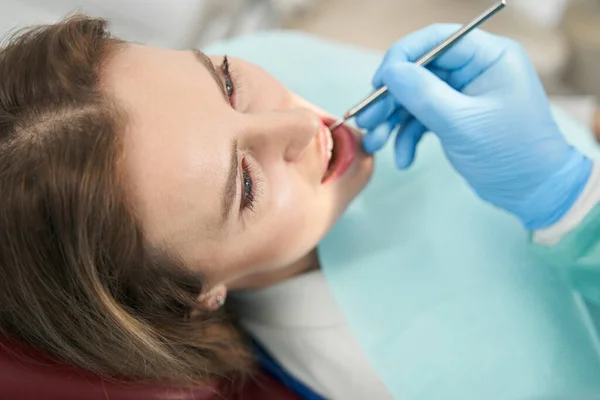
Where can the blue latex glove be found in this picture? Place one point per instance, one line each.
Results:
(484, 101)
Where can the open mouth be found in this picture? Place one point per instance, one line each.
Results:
(341, 148)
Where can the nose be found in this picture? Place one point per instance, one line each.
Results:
(287, 132)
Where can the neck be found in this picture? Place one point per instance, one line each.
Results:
(307, 263)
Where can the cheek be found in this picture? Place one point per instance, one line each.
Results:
(299, 216)
(288, 238)
(289, 227)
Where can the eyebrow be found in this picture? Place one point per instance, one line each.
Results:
(210, 67)
(231, 184)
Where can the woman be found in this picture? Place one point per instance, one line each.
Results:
(140, 185)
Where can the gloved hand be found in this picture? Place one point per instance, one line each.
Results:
(484, 101)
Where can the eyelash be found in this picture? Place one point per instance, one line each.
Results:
(232, 85)
(249, 185)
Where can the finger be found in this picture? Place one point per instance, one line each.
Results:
(472, 54)
(373, 115)
(376, 138)
(376, 114)
(425, 96)
(415, 45)
(406, 143)
(439, 72)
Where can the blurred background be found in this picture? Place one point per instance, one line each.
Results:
(561, 36)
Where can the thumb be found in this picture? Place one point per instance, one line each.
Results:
(425, 96)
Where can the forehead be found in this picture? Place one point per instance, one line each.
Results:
(176, 141)
(155, 72)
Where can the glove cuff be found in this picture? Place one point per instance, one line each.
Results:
(550, 201)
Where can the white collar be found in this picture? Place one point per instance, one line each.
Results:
(304, 301)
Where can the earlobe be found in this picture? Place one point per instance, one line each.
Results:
(220, 301)
(214, 298)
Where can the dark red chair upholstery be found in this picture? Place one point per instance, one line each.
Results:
(28, 374)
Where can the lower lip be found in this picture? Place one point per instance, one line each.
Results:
(345, 150)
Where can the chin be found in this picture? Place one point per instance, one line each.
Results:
(352, 185)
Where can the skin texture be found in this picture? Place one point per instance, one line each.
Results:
(177, 155)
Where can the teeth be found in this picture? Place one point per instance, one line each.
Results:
(329, 145)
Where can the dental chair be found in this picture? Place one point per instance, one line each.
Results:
(26, 373)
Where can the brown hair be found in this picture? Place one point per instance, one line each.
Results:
(77, 278)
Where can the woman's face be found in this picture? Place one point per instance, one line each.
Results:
(229, 173)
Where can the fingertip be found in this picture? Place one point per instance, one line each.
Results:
(371, 146)
(368, 144)
(406, 143)
(403, 163)
(376, 138)
(377, 80)
(403, 156)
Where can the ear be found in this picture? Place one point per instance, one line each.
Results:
(214, 298)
